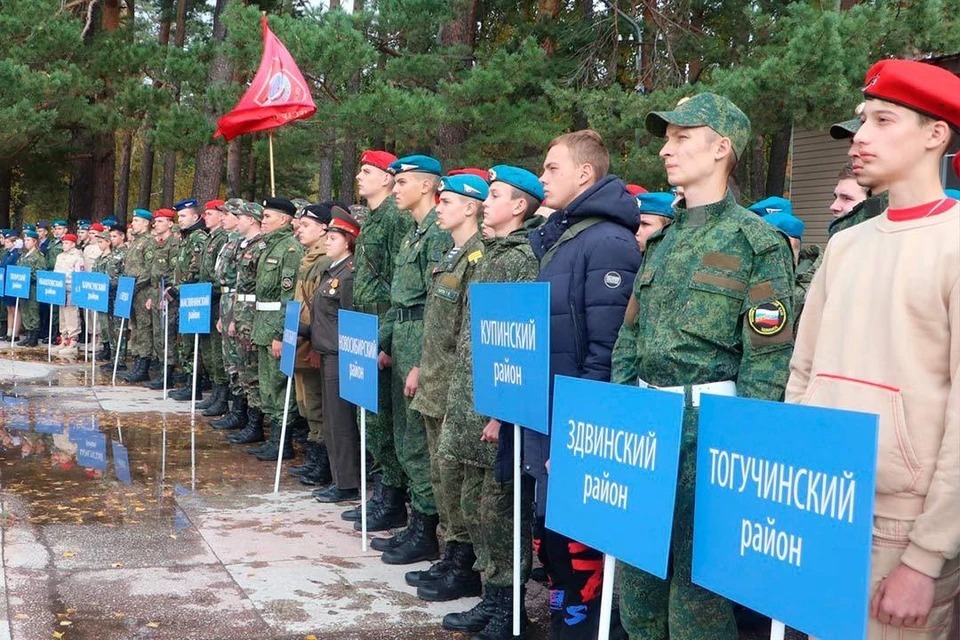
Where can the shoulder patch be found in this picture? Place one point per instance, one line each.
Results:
(767, 319)
(761, 236)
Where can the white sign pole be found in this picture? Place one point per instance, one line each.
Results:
(193, 415)
(517, 474)
(50, 336)
(93, 353)
(363, 479)
(13, 329)
(777, 630)
(86, 323)
(283, 434)
(606, 596)
(116, 356)
(166, 333)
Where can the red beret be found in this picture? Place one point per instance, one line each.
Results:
(930, 90)
(96, 226)
(214, 204)
(69, 237)
(164, 213)
(379, 159)
(635, 190)
(480, 173)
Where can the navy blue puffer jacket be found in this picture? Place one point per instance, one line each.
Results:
(591, 279)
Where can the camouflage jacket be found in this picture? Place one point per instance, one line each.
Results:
(110, 264)
(861, 212)
(713, 301)
(248, 257)
(54, 248)
(508, 259)
(225, 274)
(164, 263)
(422, 248)
(379, 243)
(442, 318)
(208, 261)
(276, 277)
(192, 245)
(810, 258)
(37, 262)
(138, 260)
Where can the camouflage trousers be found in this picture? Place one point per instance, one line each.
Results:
(655, 609)
(211, 350)
(248, 375)
(184, 352)
(141, 326)
(409, 434)
(118, 340)
(30, 313)
(446, 476)
(488, 513)
(273, 386)
(164, 327)
(230, 352)
(308, 386)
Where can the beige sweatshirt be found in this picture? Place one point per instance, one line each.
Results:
(880, 333)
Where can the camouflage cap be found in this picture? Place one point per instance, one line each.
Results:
(300, 203)
(234, 205)
(252, 209)
(847, 128)
(705, 110)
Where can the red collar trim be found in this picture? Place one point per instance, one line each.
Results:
(921, 211)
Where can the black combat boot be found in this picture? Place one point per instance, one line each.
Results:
(271, 452)
(436, 570)
(397, 539)
(311, 450)
(253, 431)
(474, 619)
(421, 545)
(157, 383)
(219, 405)
(320, 473)
(140, 372)
(210, 399)
(30, 339)
(390, 513)
(500, 625)
(352, 515)
(104, 354)
(185, 394)
(236, 418)
(459, 581)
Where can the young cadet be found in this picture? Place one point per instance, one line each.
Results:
(656, 212)
(211, 349)
(881, 335)
(874, 201)
(848, 193)
(162, 294)
(401, 336)
(458, 213)
(690, 329)
(225, 279)
(381, 235)
(193, 237)
(470, 441)
(111, 264)
(118, 253)
(588, 254)
(30, 310)
(137, 265)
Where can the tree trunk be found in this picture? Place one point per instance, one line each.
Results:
(348, 178)
(123, 189)
(777, 162)
(757, 174)
(460, 32)
(234, 168)
(168, 184)
(548, 11)
(327, 154)
(252, 173)
(146, 170)
(111, 15)
(647, 79)
(6, 191)
(104, 175)
(209, 167)
(81, 177)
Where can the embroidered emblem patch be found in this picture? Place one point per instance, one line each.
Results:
(286, 283)
(768, 319)
(612, 279)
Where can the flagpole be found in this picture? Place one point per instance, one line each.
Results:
(273, 185)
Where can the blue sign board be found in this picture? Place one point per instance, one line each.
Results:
(92, 450)
(3, 281)
(359, 350)
(613, 469)
(52, 288)
(195, 307)
(48, 424)
(291, 325)
(18, 282)
(510, 335)
(123, 302)
(91, 290)
(81, 424)
(15, 413)
(784, 511)
(121, 462)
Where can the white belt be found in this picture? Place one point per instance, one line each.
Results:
(269, 306)
(227, 290)
(723, 388)
(246, 297)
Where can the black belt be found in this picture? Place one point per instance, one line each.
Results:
(375, 308)
(413, 313)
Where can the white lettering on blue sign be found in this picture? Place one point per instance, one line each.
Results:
(290, 336)
(193, 315)
(764, 539)
(87, 285)
(358, 347)
(49, 282)
(18, 277)
(504, 372)
(356, 372)
(805, 489)
(604, 490)
(625, 447)
(124, 296)
(196, 301)
(510, 335)
(49, 292)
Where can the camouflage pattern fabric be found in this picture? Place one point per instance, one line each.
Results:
(211, 345)
(225, 276)
(810, 258)
(861, 212)
(193, 242)
(248, 257)
(705, 110)
(162, 270)
(137, 264)
(29, 309)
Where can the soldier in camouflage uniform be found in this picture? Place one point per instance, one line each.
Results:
(29, 309)
(211, 347)
(469, 442)
(193, 242)
(458, 213)
(162, 302)
(276, 278)
(110, 263)
(137, 264)
(225, 279)
(401, 335)
(55, 246)
(244, 309)
(381, 234)
(118, 251)
(715, 287)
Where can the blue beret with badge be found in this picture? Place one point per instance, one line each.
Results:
(109, 221)
(31, 233)
(142, 213)
(518, 178)
(189, 203)
(59, 222)
(788, 223)
(9, 233)
(773, 204)
(83, 225)
(419, 164)
(657, 204)
(465, 184)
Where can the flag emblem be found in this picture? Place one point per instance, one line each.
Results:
(767, 319)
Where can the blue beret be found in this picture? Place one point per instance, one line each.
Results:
(29, 227)
(657, 204)
(465, 184)
(953, 193)
(109, 221)
(773, 204)
(83, 224)
(788, 223)
(421, 164)
(43, 224)
(30, 233)
(9, 233)
(519, 178)
(186, 204)
(59, 222)
(142, 213)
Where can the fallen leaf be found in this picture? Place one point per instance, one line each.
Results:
(311, 637)
(57, 635)
(117, 565)
(65, 623)
(153, 625)
(21, 616)
(68, 554)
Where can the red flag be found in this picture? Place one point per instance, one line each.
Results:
(277, 95)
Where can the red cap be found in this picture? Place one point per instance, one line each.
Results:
(930, 90)
(164, 213)
(96, 226)
(214, 204)
(379, 159)
(480, 173)
(956, 165)
(344, 225)
(635, 190)
(69, 237)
